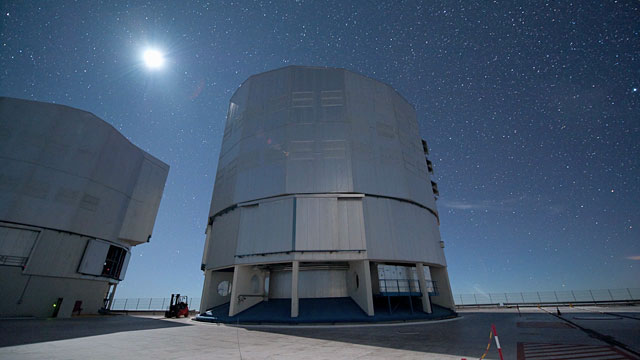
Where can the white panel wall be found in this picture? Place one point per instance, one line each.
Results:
(351, 233)
(316, 224)
(223, 240)
(387, 154)
(145, 200)
(319, 165)
(266, 227)
(401, 231)
(57, 254)
(329, 223)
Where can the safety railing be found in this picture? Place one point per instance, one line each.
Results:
(149, 304)
(549, 297)
(405, 286)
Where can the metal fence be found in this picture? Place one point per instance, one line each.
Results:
(505, 298)
(547, 297)
(149, 304)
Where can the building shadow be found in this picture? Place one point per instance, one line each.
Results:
(440, 339)
(327, 311)
(462, 337)
(467, 336)
(29, 331)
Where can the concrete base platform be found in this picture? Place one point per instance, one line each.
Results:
(325, 310)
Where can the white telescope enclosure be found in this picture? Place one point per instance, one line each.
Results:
(322, 177)
(75, 196)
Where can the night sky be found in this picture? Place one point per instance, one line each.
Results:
(531, 111)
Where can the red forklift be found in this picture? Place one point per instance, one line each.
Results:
(178, 307)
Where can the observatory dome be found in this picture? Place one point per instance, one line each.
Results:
(75, 197)
(323, 191)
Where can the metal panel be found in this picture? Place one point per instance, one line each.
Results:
(56, 253)
(224, 239)
(311, 284)
(143, 206)
(329, 223)
(350, 224)
(266, 227)
(386, 154)
(316, 223)
(284, 109)
(16, 242)
(93, 259)
(322, 283)
(401, 231)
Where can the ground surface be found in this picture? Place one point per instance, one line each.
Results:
(534, 334)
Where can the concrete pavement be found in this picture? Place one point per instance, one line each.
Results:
(521, 337)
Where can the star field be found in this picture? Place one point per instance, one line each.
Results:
(531, 111)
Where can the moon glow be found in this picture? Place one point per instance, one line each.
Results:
(153, 59)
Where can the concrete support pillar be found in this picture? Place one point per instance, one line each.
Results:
(267, 275)
(366, 271)
(247, 289)
(205, 253)
(233, 304)
(426, 303)
(295, 269)
(210, 296)
(111, 295)
(445, 297)
(206, 288)
(359, 285)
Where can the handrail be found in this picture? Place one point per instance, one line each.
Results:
(412, 285)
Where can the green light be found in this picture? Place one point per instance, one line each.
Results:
(54, 305)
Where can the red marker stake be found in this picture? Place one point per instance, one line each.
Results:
(495, 334)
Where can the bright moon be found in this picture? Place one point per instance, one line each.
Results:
(153, 59)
